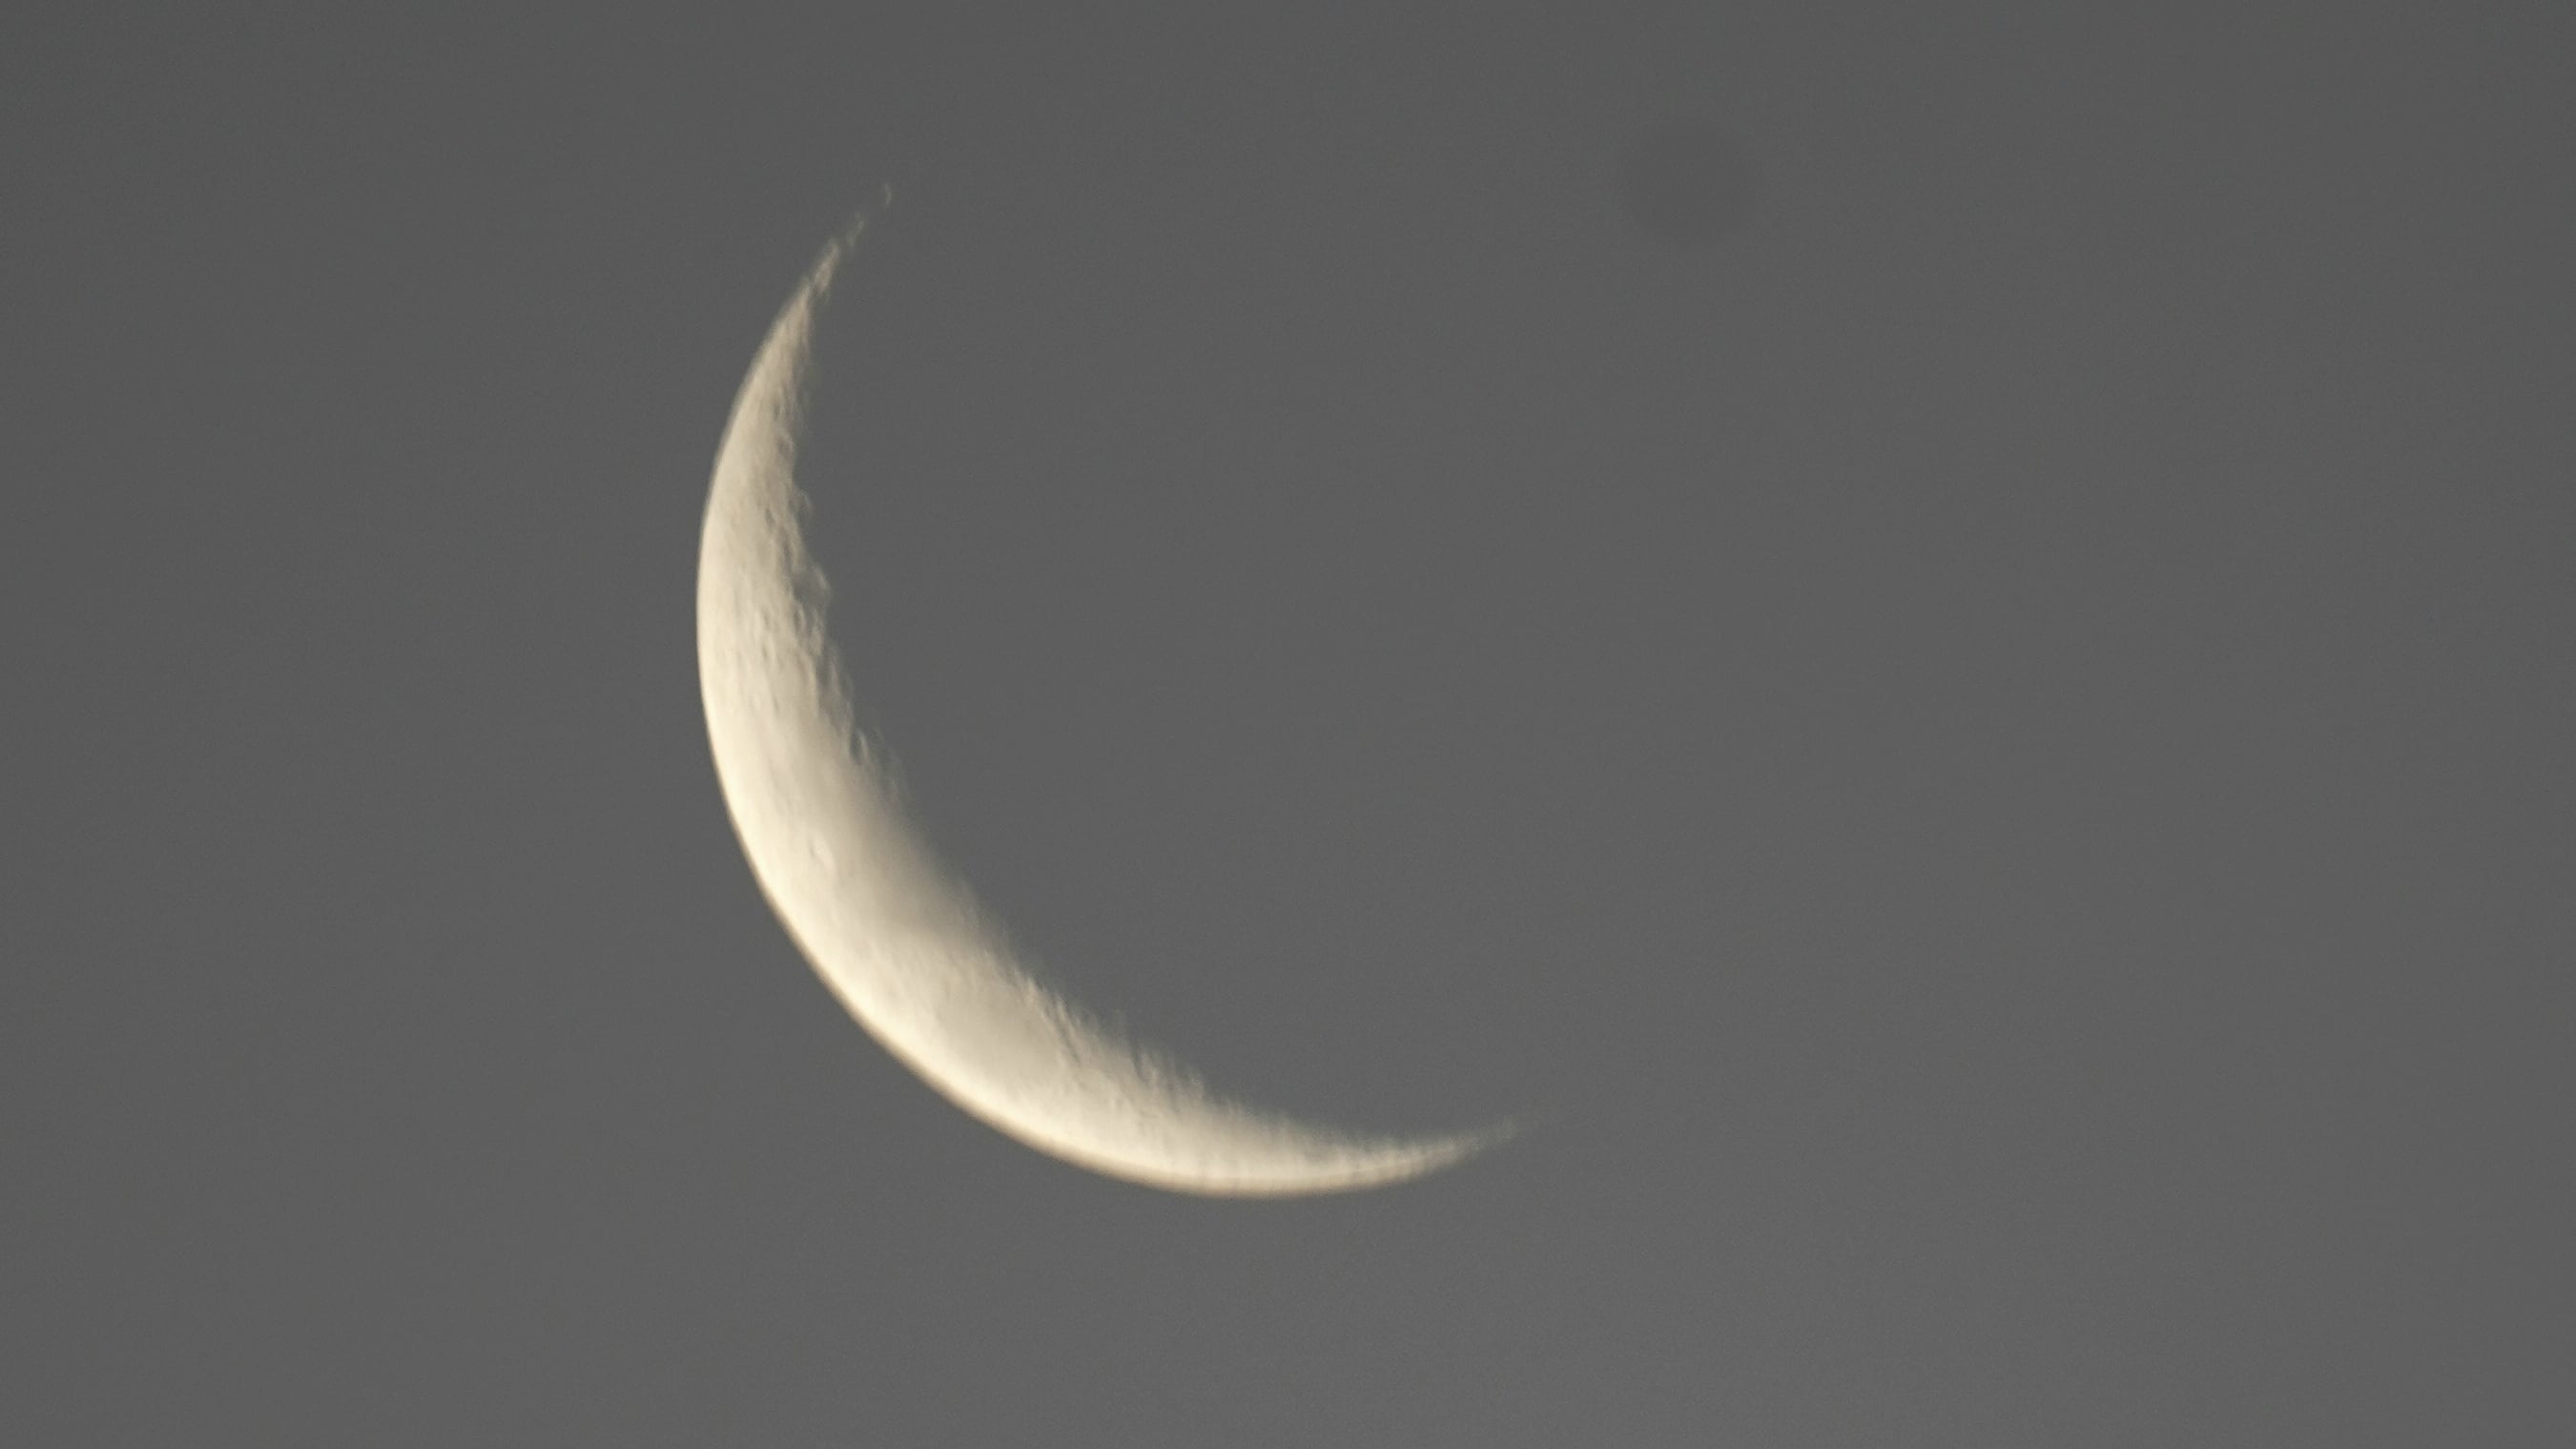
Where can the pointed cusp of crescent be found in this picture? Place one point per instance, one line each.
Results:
(897, 938)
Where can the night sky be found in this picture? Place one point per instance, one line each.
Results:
(1936, 637)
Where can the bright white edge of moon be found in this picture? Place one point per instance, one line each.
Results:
(898, 939)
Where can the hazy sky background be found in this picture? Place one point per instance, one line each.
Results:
(1967, 685)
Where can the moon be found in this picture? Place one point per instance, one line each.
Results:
(897, 937)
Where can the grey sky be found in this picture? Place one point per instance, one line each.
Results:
(1985, 733)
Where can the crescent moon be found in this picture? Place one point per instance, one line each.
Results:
(896, 936)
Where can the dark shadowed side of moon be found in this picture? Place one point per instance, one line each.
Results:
(1684, 183)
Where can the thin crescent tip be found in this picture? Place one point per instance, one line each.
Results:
(863, 216)
(1485, 1139)
(827, 266)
